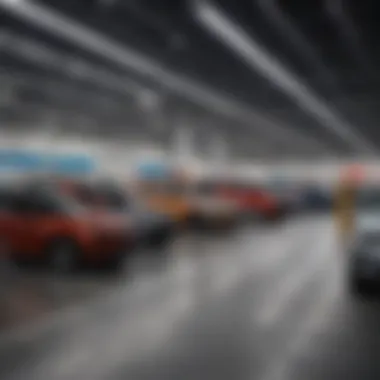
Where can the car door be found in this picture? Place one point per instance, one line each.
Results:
(14, 222)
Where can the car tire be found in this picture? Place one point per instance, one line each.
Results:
(63, 255)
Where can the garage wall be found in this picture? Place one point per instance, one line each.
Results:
(121, 158)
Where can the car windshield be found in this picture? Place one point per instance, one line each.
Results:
(93, 195)
(49, 196)
(112, 196)
(66, 204)
(80, 193)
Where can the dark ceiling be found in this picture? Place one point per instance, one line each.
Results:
(331, 46)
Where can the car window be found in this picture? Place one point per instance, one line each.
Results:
(33, 203)
(41, 200)
(113, 197)
(85, 195)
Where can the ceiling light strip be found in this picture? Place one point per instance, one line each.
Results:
(98, 44)
(217, 23)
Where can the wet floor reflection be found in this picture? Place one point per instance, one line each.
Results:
(261, 304)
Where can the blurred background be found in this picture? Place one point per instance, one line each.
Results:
(188, 189)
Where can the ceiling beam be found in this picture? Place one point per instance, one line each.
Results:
(217, 23)
(89, 40)
(302, 46)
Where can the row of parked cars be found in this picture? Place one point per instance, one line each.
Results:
(69, 222)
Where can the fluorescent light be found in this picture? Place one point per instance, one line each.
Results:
(128, 59)
(42, 55)
(255, 56)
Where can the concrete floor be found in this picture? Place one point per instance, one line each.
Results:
(266, 303)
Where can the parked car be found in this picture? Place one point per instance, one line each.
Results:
(165, 198)
(211, 210)
(254, 200)
(213, 213)
(290, 195)
(39, 223)
(202, 210)
(151, 228)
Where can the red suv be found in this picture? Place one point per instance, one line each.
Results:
(38, 223)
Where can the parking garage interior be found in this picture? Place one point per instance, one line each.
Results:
(190, 151)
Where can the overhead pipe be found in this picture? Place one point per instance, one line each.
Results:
(49, 59)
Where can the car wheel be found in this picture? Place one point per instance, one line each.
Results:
(63, 255)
